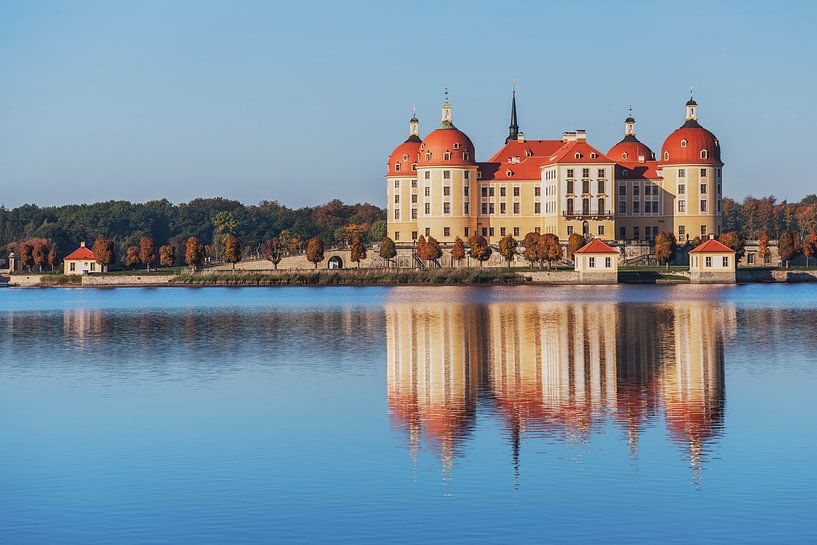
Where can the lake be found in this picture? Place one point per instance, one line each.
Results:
(409, 414)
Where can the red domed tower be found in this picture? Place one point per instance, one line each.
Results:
(447, 176)
(630, 149)
(692, 169)
(401, 186)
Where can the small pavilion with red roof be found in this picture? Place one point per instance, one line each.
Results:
(81, 261)
(712, 263)
(596, 263)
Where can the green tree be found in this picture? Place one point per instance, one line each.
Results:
(480, 249)
(358, 250)
(132, 257)
(458, 251)
(574, 242)
(507, 248)
(232, 250)
(388, 250)
(377, 231)
(314, 250)
(167, 257)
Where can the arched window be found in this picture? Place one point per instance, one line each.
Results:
(585, 206)
(466, 156)
(704, 154)
(396, 166)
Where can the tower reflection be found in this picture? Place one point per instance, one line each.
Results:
(557, 371)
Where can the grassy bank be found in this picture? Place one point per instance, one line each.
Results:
(60, 280)
(351, 278)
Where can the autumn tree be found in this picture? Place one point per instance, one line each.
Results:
(314, 250)
(294, 244)
(358, 249)
(53, 260)
(697, 241)
(550, 249)
(531, 245)
(419, 247)
(507, 248)
(39, 254)
(734, 241)
(665, 246)
(132, 257)
(103, 250)
(430, 250)
(810, 246)
(232, 250)
(480, 249)
(458, 251)
(147, 251)
(388, 251)
(274, 251)
(193, 253)
(167, 257)
(26, 260)
(786, 247)
(763, 247)
(574, 242)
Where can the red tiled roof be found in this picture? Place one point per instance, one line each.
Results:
(596, 247)
(80, 254)
(409, 149)
(712, 246)
(451, 140)
(695, 139)
(530, 156)
(567, 154)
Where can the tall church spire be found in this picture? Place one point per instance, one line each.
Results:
(513, 129)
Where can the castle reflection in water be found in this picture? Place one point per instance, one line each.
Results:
(557, 370)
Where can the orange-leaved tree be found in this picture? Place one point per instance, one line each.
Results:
(810, 246)
(734, 241)
(550, 249)
(431, 250)
(480, 249)
(39, 254)
(531, 244)
(507, 248)
(419, 247)
(665, 246)
(167, 256)
(24, 251)
(388, 250)
(314, 250)
(763, 246)
(274, 251)
(358, 249)
(458, 251)
(786, 247)
(132, 257)
(103, 250)
(193, 253)
(232, 250)
(147, 251)
(574, 242)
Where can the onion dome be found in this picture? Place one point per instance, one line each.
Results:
(630, 148)
(691, 144)
(447, 146)
(403, 159)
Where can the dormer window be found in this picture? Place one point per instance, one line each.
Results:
(509, 172)
(624, 155)
(428, 156)
(666, 156)
(396, 167)
(625, 173)
(466, 156)
(704, 154)
(528, 153)
(413, 166)
(683, 143)
(578, 156)
(456, 145)
(593, 155)
(479, 175)
(447, 156)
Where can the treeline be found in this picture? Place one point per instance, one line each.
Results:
(755, 217)
(208, 220)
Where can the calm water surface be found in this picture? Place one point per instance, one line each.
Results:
(401, 415)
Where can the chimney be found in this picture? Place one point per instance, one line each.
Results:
(581, 135)
(520, 137)
(711, 236)
(82, 244)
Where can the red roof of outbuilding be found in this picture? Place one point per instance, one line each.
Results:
(80, 254)
(712, 246)
(596, 247)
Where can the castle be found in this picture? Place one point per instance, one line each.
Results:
(436, 187)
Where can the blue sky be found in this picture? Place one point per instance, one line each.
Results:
(302, 102)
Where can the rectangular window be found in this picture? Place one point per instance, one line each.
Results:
(703, 173)
(636, 190)
(516, 231)
(601, 173)
(703, 206)
(485, 231)
(502, 231)
(465, 208)
(465, 190)
(491, 231)
(570, 186)
(537, 191)
(414, 213)
(93, 266)
(591, 262)
(490, 208)
(428, 231)
(682, 206)
(570, 173)
(491, 191)
(446, 231)
(427, 191)
(608, 263)
(466, 175)
(703, 189)
(72, 266)
(446, 208)
(414, 199)
(585, 186)
(622, 233)
(537, 230)
(414, 235)
(414, 184)
(502, 191)
(708, 261)
(428, 208)
(725, 261)
(682, 231)
(397, 184)
(682, 189)
(636, 233)
(446, 190)
(427, 175)
(516, 208)
(601, 229)
(467, 230)
(446, 174)
(484, 208)
(585, 173)
(537, 207)
(397, 198)
(682, 173)
(703, 230)
(622, 207)
(569, 230)
(636, 207)
(516, 191)
(397, 213)
(484, 191)
(601, 188)
(502, 208)
(397, 235)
